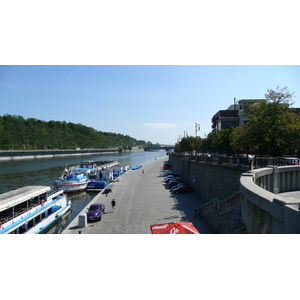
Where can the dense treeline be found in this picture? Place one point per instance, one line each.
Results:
(19, 133)
(273, 128)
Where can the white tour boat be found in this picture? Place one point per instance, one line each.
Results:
(72, 182)
(31, 209)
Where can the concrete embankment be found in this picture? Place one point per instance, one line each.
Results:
(32, 154)
(141, 199)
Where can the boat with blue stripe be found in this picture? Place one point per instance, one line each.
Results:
(31, 209)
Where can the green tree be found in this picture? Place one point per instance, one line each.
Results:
(18, 133)
(273, 125)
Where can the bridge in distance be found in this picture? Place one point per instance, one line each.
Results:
(167, 148)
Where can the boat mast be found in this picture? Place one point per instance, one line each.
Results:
(62, 175)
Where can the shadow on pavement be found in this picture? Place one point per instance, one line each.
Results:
(186, 203)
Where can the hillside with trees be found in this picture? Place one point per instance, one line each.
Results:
(17, 133)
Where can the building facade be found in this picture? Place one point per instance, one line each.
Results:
(244, 108)
(225, 118)
(235, 115)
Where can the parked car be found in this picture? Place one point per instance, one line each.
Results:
(292, 160)
(249, 156)
(174, 182)
(167, 165)
(95, 212)
(168, 178)
(178, 185)
(171, 173)
(182, 189)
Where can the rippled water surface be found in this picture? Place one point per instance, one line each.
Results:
(18, 173)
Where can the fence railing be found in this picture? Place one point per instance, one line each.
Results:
(240, 161)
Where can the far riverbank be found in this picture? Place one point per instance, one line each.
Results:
(50, 153)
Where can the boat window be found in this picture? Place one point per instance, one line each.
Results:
(37, 219)
(6, 215)
(22, 229)
(30, 224)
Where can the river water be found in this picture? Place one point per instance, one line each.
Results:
(44, 171)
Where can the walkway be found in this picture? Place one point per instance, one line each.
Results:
(142, 200)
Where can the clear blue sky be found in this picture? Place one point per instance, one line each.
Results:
(148, 70)
(153, 103)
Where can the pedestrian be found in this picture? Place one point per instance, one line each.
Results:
(113, 205)
(143, 171)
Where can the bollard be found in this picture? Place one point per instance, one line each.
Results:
(82, 220)
(195, 212)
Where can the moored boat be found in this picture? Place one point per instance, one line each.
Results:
(119, 169)
(136, 167)
(73, 182)
(102, 179)
(31, 209)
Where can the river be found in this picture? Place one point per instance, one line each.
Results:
(43, 171)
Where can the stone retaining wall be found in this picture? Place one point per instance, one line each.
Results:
(208, 180)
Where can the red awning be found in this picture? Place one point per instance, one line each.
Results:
(174, 228)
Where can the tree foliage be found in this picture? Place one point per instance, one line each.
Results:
(273, 126)
(188, 144)
(19, 133)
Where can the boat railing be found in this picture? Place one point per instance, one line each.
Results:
(55, 190)
(18, 213)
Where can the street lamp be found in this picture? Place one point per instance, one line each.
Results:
(197, 128)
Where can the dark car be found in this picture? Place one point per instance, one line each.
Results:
(171, 177)
(182, 189)
(174, 182)
(95, 212)
(172, 173)
(178, 185)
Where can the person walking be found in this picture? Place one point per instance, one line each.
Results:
(113, 205)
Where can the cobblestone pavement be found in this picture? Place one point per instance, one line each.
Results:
(141, 200)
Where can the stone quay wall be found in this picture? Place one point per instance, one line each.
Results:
(208, 180)
(218, 186)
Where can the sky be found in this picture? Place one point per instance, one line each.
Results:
(131, 68)
(156, 103)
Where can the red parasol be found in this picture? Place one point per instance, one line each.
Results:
(174, 228)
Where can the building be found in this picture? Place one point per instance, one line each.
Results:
(244, 107)
(225, 118)
(235, 115)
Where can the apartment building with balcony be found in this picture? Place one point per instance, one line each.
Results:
(235, 115)
(225, 118)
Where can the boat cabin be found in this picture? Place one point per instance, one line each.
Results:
(23, 208)
(104, 175)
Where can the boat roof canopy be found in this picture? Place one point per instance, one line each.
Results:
(20, 195)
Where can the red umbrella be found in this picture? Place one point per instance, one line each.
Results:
(174, 228)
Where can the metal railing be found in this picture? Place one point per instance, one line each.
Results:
(239, 161)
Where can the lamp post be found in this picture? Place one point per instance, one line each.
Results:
(197, 128)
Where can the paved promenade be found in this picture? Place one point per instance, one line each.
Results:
(141, 200)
